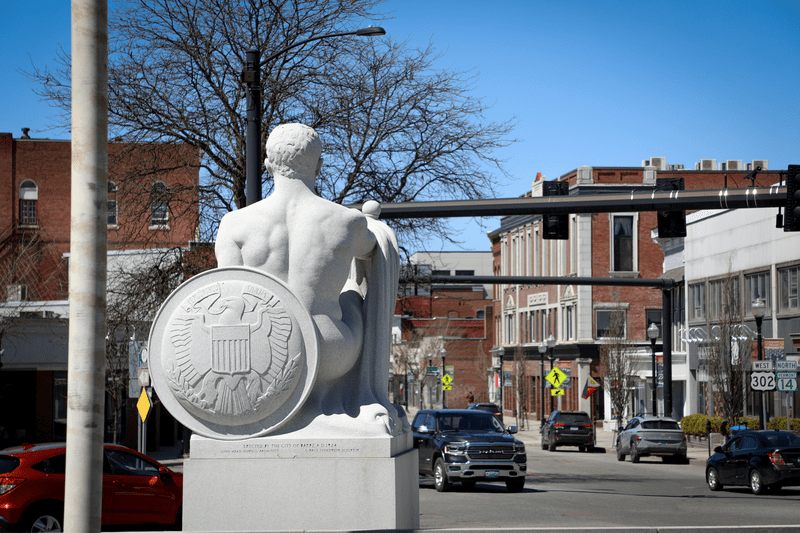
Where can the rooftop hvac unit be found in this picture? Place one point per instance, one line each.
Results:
(675, 167)
(763, 163)
(707, 164)
(659, 162)
(733, 164)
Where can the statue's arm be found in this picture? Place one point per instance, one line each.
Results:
(228, 248)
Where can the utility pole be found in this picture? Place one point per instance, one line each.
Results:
(87, 267)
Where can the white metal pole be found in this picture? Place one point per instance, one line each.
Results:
(87, 266)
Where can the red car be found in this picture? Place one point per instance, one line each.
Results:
(136, 489)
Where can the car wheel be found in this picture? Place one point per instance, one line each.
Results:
(590, 448)
(516, 484)
(581, 449)
(544, 444)
(634, 453)
(552, 446)
(469, 485)
(620, 455)
(756, 483)
(712, 478)
(440, 476)
(43, 518)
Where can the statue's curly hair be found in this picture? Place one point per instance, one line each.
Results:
(293, 150)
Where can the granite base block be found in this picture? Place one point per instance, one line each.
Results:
(321, 487)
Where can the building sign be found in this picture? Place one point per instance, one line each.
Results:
(538, 299)
(508, 374)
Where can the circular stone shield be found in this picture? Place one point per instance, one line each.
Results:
(233, 353)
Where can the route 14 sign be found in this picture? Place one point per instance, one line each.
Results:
(787, 381)
(762, 381)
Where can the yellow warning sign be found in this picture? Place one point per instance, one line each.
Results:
(144, 405)
(447, 387)
(447, 379)
(556, 377)
(557, 392)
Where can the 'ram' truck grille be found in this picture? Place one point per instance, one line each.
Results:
(493, 452)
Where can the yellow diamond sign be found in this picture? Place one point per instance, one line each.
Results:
(447, 379)
(556, 377)
(144, 405)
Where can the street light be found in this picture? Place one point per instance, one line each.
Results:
(759, 310)
(443, 353)
(551, 342)
(652, 334)
(251, 78)
(542, 351)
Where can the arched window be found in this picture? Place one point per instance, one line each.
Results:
(113, 214)
(159, 206)
(28, 195)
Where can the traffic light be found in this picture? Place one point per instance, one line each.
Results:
(791, 219)
(671, 223)
(555, 226)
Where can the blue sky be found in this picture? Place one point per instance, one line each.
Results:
(589, 83)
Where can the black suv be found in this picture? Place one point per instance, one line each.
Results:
(568, 428)
(467, 446)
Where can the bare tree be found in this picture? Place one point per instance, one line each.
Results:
(729, 350)
(396, 127)
(618, 358)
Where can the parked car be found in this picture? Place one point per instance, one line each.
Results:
(568, 428)
(489, 407)
(764, 460)
(467, 446)
(136, 488)
(652, 436)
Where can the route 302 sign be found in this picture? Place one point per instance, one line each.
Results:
(762, 381)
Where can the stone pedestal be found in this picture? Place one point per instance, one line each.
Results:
(285, 484)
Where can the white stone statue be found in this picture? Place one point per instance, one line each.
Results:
(342, 265)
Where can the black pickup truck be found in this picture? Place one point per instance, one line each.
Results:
(467, 446)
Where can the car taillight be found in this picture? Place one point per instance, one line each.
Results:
(638, 437)
(559, 425)
(588, 425)
(776, 458)
(8, 483)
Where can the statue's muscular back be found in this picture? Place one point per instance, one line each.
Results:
(304, 240)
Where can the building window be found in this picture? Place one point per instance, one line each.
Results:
(28, 195)
(610, 324)
(697, 302)
(622, 244)
(756, 286)
(573, 245)
(653, 316)
(159, 206)
(723, 299)
(112, 204)
(788, 288)
(569, 322)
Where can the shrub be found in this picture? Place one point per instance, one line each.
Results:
(696, 424)
(780, 423)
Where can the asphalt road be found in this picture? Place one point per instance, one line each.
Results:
(571, 489)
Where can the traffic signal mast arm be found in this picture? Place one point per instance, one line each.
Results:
(636, 201)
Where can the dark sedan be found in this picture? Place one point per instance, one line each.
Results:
(764, 460)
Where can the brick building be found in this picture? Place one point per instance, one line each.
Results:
(605, 245)
(453, 318)
(152, 204)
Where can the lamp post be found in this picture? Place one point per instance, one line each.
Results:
(759, 308)
(551, 342)
(443, 353)
(251, 78)
(542, 351)
(652, 334)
